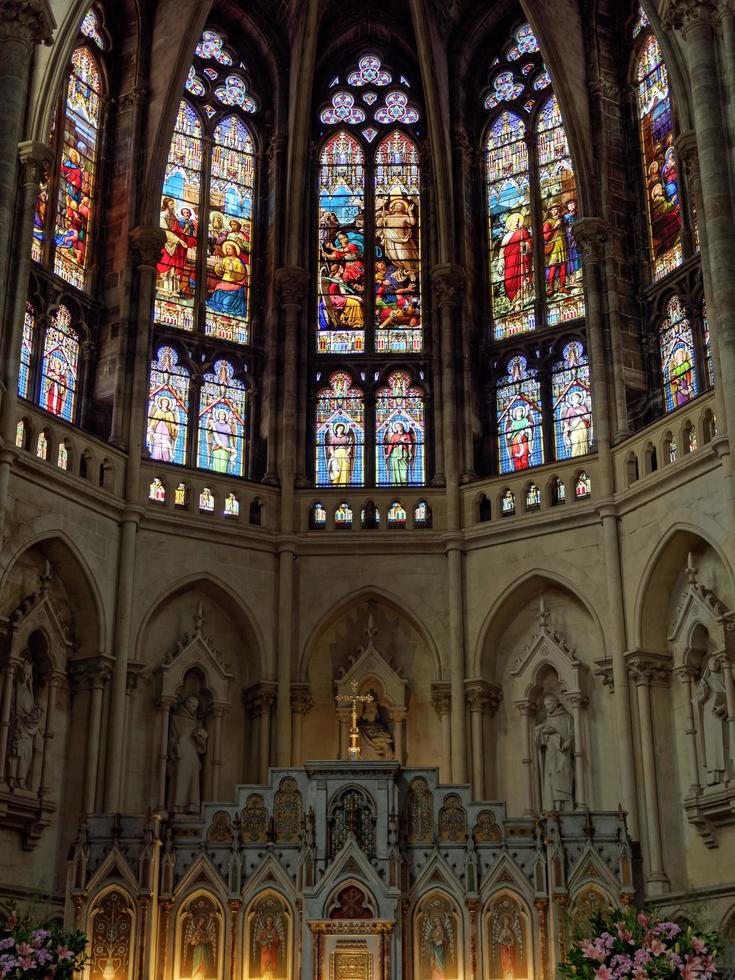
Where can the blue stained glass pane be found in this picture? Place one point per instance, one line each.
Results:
(572, 403)
(60, 366)
(222, 420)
(399, 439)
(168, 407)
(340, 433)
(26, 351)
(520, 426)
(678, 360)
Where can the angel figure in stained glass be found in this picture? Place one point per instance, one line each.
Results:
(163, 430)
(680, 373)
(57, 386)
(221, 441)
(340, 446)
(519, 436)
(576, 424)
(400, 452)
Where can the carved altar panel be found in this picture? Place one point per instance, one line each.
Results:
(254, 820)
(220, 830)
(351, 961)
(508, 943)
(438, 939)
(420, 812)
(200, 939)
(586, 904)
(486, 830)
(268, 939)
(452, 820)
(287, 812)
(110, 926)
(351, 812)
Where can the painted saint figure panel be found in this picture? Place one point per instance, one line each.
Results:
(168, 405)
(229, 232)
(78, 166)
(678, 357)
(399, 433)
(438, 939)
(397, 245)
(562, 256)
(340, 433)
(520, 426)
(60, 366)
(510, 228)
(660, 168)
(572, 402)
(200, 951)
(508, 939)
(269, 927)
(341, 282)
(222, 414)
(176, 272)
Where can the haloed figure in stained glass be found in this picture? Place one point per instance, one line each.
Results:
(340, 451)
(400, 452)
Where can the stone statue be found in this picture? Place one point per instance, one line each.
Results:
(187, 743)
(555, 746)
(376, 741)
(26, 721)
(711, 696)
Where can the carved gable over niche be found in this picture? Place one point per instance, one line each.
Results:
(700, 607)
(196, 650)
(372, 671)
(545, 650)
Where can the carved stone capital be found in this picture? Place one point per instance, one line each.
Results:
(146, 242)
(302, 700)
(90, 673)
(590, 234)
(606, 89)
(27, 20)
(441, 697)
(448, 284)
(526, 708)
(261, 697)
(35, 159)
(482, 696)
(684, 14)
(133, 97)
(686, 673)
(604, 670)
(276, 146)
(648, 668)
(291, 283)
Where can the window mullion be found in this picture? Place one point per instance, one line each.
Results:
(48, 249)
(538, 227)
(369, 256)
(204, 199)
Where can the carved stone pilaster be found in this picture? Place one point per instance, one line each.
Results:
(35, 159)
(146, 242)
(448, 284)
(653, 669)
(91, 672)
(482, 696)
(606, 89)
(29, 20)
(590, 234)
(302, 700)
(291, 283)
(441, 697)
(682, 15)
(133, 97)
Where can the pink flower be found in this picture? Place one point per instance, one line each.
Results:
(625, 935)
(657, 947)
(642, 920)
(64, 953)
(687, 973)
(603, 973)
(26, 963)
(24, 949)
(697, 945)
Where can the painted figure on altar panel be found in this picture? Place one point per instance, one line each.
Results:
(508, 939)
(711, 696)
(187, 745)
(376, 740)
(269, 929)
(200, 939)
(439, 940)
(554, 739)
(110, 930)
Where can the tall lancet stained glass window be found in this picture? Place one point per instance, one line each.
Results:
(660, 168)
(203, 281)
(572, 400)
(399, 424)
(168, 407)
(340, 433)
(678, 356)
(535, 267)
(222, 420)
(520, 418)
(60, 366)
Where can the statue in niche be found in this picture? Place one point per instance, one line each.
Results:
(187, 743)
(376, 741)
(711, 696)
(554, 737)
(25, 725)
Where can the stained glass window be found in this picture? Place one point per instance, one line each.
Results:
(20, 434)
(168, 407)
(397, 245)
(641, 22)
(369, 516)
(78, 169)
(211, 47)
(180, 495)
(660, 166)
(206, 501)
(343, 516)
(678, 358)
(510, 233)
(317, 516)
(399, 432)
(572, 402)
(397, 514)
(508, 504)
(582, 486)
(26, 352)
(42, 446)
(422, 516)
(60, 366)
(708, 362)
(562, 257)
(62, 457)
(176, 272)
(558, 491)
(533, 497)
(39, 219)
(232, 506)
(91, 28)
(341, 284)
(340, 433)
(222, 416)
(157, 491)
(520, 426)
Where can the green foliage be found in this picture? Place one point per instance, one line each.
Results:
(31, 951)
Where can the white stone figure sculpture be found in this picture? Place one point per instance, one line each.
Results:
(712, 698)
(187, 745)
(555, 746)
(376, 741)
(26, 721)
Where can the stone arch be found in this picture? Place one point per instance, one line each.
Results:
(351, 896)
(660, 573)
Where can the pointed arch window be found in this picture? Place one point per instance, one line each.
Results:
(520, 419)
(28, 343)
(203, 280)
(168, 407)
(340, 433)
(660, 167)
(572, 402)
(678, 356)
(60, 366)
(222, 420)
(535, 267)
(399, 432)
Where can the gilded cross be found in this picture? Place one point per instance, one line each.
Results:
(353, 749)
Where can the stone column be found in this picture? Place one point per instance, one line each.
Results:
(688, 676)
(527, 710)
(94, 677)
(647, 669)
(345, 721)
(216, 714)
(146, 243)
(441, 698)
(696, 21)
(263, 698)
(291, 282)
(54, 682)
(580, 776)
(398, 717)
(301, 703)
(728, 669)
(8, 676)
(590, 234)
(23, 24)
(34, 158)
(164, 713)
(483, 698)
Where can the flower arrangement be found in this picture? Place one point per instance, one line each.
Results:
(631, 945)
(29, 951)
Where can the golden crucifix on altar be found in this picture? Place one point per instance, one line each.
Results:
(353, 749)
